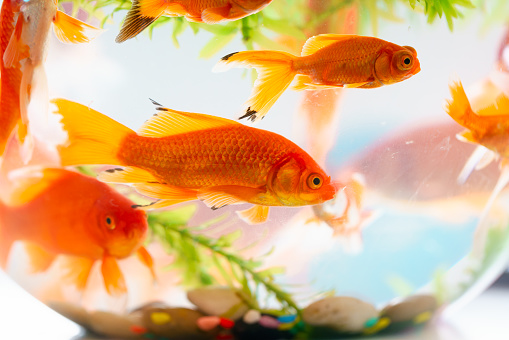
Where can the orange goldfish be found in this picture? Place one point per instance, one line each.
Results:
(182, 156)
(59, 212)
(24, 34)
(145, 12)
(327, 61)
(488, 127)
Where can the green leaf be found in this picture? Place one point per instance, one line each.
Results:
(175, 217)
(282, 26)
(215, 45)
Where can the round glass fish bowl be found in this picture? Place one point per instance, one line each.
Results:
(133, 217)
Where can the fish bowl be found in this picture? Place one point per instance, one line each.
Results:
(417, 224)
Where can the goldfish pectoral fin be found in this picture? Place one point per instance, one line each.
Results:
(40, 259)
(77, 270)
(318, 42)
(354, 85)
(218, 197)
(141, 15)
(73, 31)
(215, 15)
(255, 215)
(165, 192)
(114, 281)
(168, 122)
(16, 50)
(147, 260)
(467, 137)
(127, 175)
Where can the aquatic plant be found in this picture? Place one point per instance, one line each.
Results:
(289, 18)
(203, 261)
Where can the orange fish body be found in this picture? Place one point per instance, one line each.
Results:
(25, 29)
(10, 82)
(145, 12)
(59, 212)
(488, 127)
(327, 61)
(181, 156)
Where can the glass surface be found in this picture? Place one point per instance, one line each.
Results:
(409, 224)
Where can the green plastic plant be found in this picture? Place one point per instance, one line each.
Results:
(203, 261)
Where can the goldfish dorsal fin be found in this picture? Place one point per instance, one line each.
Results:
(255, 215)
(168, 122)
(127, 175)
(30, 182)
(318, 42)
(114, 281)
(16, 50)
(499, 108)
(216, 197)
(73, 31)
(40, 259)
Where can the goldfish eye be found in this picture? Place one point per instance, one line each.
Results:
(406, 62)
(110, 223)
(314, 181)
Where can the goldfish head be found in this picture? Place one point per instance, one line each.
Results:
(395, 64)
(251, 5)
(296, 181)
(119, 228)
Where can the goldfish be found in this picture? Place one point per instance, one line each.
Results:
(24, 34)
(345, 215)
(144, 12)
(60, 212)
(489, 128)
(181, 156)
(327, 61)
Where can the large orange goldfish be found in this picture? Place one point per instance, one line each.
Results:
(182, 156)
(24, 33)
(59, 212)
(327, 61)
(145, 12)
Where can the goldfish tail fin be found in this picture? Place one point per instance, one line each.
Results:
(93, 138)
(73, 31)
(459, 107)
(275, 73)
(141, 15)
